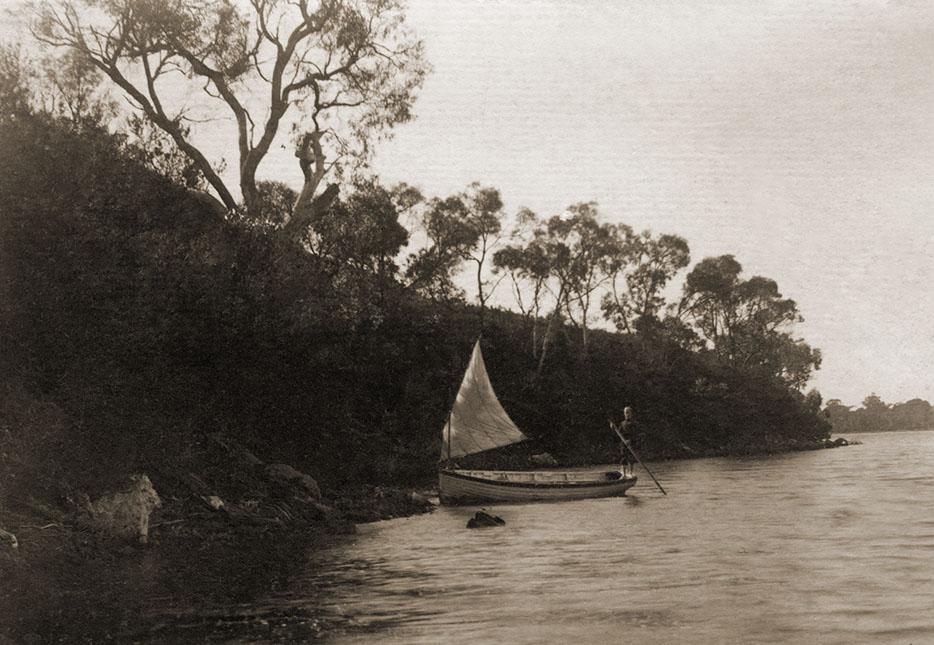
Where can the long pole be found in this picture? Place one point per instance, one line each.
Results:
(629, 447)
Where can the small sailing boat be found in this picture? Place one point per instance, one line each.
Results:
(478, 422)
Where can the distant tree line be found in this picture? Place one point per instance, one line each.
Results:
(327, 328)
(875, 415)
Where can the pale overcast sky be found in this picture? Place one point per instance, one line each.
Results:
(797, 136)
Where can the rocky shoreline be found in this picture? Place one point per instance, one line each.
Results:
(67, 579)
(222, 534)
(66, 583)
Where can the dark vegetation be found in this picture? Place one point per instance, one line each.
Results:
(140, 315)
(875, 415)
(136, 322)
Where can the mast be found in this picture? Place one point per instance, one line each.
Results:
(449, 433)
(452, 398)
(447, 463)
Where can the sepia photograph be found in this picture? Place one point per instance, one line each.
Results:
(467, 321)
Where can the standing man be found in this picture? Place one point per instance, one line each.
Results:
(628, 430)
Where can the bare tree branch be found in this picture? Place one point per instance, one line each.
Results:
(354, 59)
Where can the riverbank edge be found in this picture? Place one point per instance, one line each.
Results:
(211, 527)
(774, 447)
(65, 582)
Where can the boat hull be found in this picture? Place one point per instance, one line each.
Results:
(480, 486)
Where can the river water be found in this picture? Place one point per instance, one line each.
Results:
(829, 546)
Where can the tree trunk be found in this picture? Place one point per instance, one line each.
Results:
(306, 210)
(311, 160)
(549, 335)
(480, 296)
(546, 343)
(535, 337)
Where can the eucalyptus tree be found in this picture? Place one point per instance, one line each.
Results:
(430, 270)
(591, 245)
(16, 91)
(363, 234)
(67, 89)
(747, 322)
(639, 274)
(344, 71)
(463, 227)
(484, 214)
(526, 263)
(565, 257)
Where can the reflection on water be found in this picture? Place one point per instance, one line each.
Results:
(832, 546)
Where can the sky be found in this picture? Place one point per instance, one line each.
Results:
(797, 136)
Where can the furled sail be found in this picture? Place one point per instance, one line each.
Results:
(478, 421)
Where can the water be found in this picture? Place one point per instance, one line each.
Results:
(831, 546)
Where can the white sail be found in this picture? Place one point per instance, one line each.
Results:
(478, 421)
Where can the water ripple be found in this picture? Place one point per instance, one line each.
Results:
(831, 547)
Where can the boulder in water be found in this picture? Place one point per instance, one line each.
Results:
(482, 519)
(419, 499)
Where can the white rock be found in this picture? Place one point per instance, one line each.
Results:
(126, 513)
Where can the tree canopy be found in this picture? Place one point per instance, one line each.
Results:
(347, 71)
(639, 275)
(747, 321)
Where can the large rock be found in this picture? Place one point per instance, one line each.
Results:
(286, 475)
(125, 513)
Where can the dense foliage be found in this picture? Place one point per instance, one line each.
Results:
(135, 320)
(875, 415)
